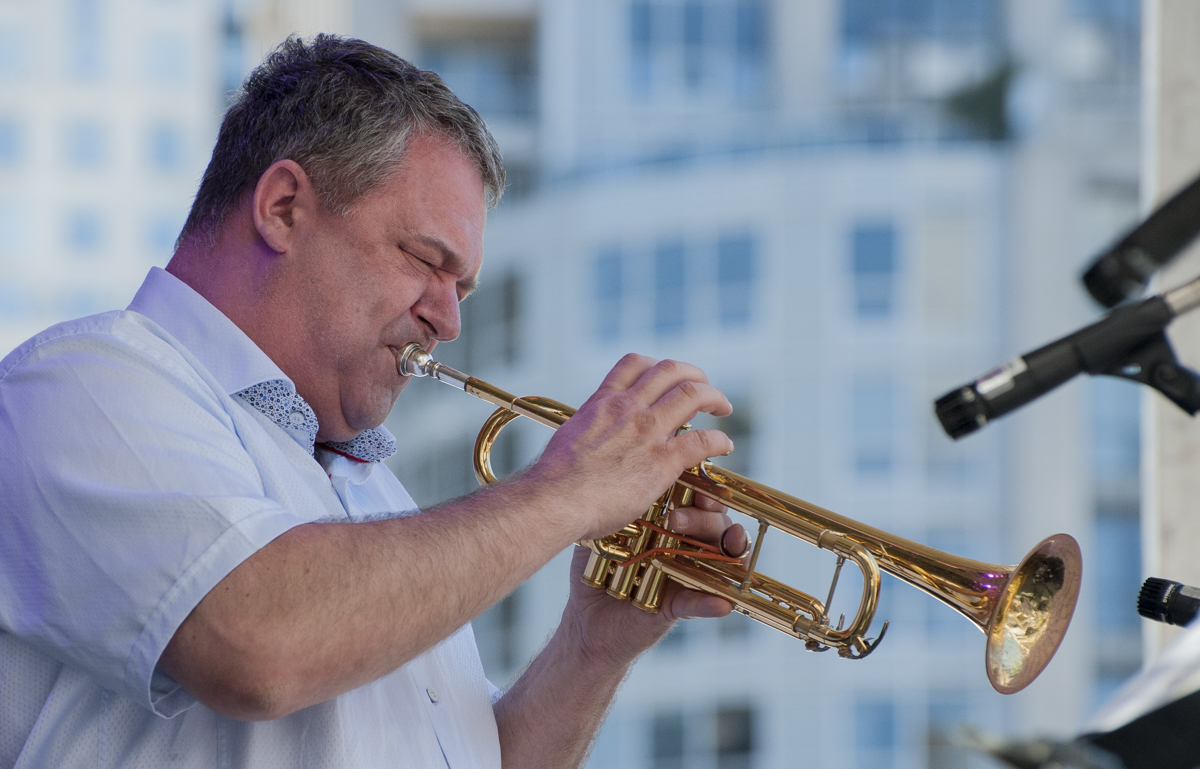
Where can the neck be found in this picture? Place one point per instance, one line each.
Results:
(246, 280)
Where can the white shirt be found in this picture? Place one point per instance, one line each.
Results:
(131, 483)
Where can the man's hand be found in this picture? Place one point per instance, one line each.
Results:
(615, 457)
(617, 632)
(548, 718)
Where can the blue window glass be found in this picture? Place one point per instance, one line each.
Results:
(10, 143)
(14, 53)
(873, 424)
(873, 262)
(12, 230)
(735, 277)
(870, 22)
(874, 731)
(693, 43)
(85, 231)
(641, 39)
(161, 229)
(84, 32)
(609, 293)
(165, 148)
(751, 50)
(1118, 547)
(165, 61)
(86, 145)
(496, 78)
(670, 300)
(233, 59)
(667, 740)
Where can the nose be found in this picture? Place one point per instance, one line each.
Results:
(438, 309)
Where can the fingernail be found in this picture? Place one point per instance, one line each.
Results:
(681, 519)
(727, 453)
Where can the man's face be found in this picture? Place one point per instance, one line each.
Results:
(389, 272)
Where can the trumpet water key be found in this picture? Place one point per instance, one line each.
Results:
(1023, 610)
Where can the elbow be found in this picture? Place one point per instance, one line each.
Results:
(239, 684)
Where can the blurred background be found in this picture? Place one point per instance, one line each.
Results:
(840, 209)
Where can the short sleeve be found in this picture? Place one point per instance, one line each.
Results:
(127, 494)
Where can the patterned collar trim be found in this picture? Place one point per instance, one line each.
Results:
(280, 403)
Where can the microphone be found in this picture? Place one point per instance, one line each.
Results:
(1165, 601)
(1129, 343)
(1124, 270)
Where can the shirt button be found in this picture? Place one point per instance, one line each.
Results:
(296, 418)
(433, 695)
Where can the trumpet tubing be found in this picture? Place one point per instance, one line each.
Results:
(1023, 610)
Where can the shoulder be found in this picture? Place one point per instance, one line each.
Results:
(117, 338)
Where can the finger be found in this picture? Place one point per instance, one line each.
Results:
(699, 524)
(663, 377)
(708, 504)
(627, 372)
(694, 446)
(690, 604)
(688, 399)
(735, 541)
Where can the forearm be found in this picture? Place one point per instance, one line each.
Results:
(550, 716)
(328, 607)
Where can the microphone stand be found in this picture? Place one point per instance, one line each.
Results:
(1130, 342)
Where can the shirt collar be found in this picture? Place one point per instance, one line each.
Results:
(239, 365)
(230, 356)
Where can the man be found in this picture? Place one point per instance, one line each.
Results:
(203, 561)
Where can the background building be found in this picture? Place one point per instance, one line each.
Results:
(839, 208)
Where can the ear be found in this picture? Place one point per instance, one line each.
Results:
(282, 192)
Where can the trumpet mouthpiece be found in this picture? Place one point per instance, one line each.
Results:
(414, 361)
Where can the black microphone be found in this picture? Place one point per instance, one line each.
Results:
(1165, 601)
(1124, 270)
(1129, 342)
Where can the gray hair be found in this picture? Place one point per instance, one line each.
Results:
(342, 109)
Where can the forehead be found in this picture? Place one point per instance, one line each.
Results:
(434, 196)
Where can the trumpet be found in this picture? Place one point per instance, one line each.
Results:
(1023, 610)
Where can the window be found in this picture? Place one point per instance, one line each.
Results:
(12, 230)
(873, 263)
(874, 731)
(84, 33)
(699, 48)
(86, 145)
(670, 295)
(491, 324)
(917, 49)
(609, 288)
(735, 736)
(10, 143)
(165, 148)
(161, 230)
(85, 231)
(873, 417)
(14, 53)
(667, 740)
(725, 738)
(164, 59)
(233, 64)
(867, 22)
(735, 276)
(947, 711)
(489, 64)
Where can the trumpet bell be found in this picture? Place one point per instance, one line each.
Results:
(1032, 613)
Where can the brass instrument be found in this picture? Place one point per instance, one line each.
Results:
(1024, 610)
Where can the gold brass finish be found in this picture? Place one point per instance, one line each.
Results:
(1023, 611)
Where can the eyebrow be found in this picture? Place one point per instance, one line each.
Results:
(449, 256)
